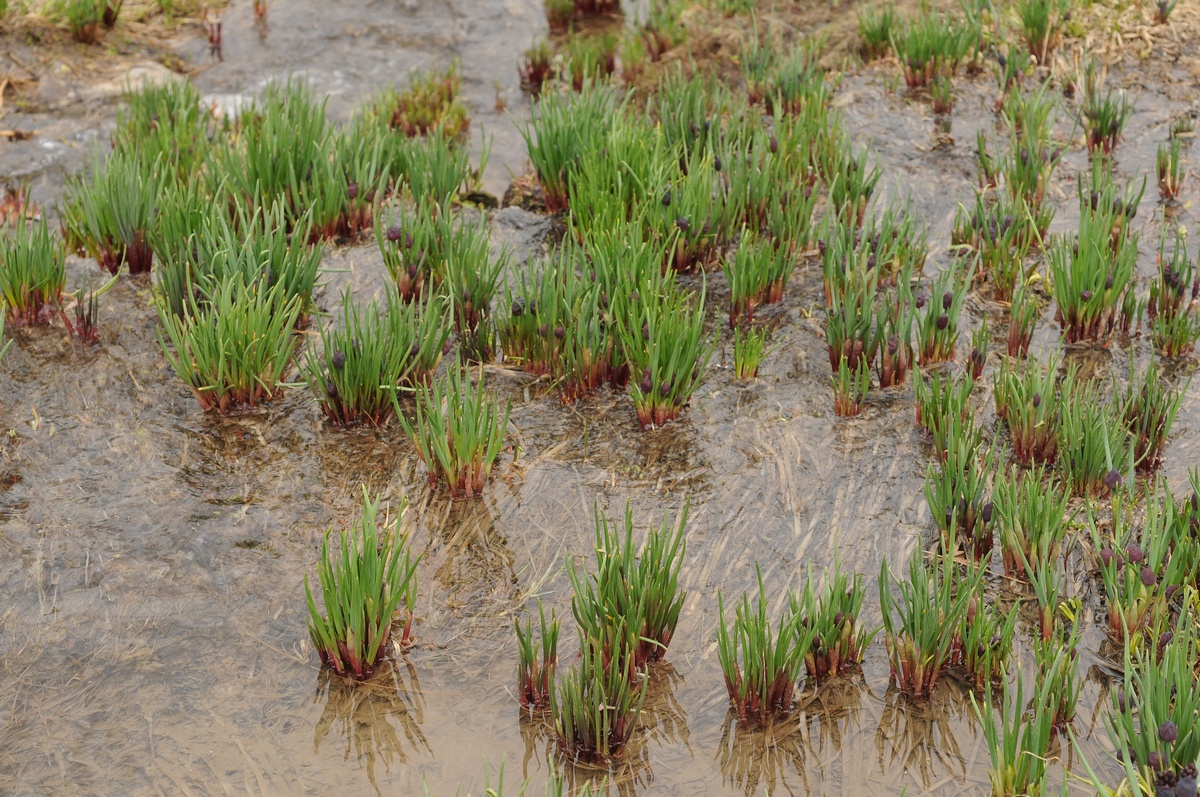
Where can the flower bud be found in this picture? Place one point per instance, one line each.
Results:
(943, 321)
(1134, 553)
(394, 233)
(947, 299)
(339, 360)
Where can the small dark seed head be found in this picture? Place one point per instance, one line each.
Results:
(645, 332)
(947, 300)
(1155, 760)
(352, 191)
(518, 307)
(943, 321)
(774, 144)
(393, 233)
(331, 390)
(987, 512)
(1113, 480)
(559, 332)
(1122, 704)
(717, 163)
(920, 302)
(408, 241)
(682, 224)
(1085, 295)
(339, 360)
(1037, 400)
(666, 198)
(665, 388)
(1148, 578)
(1133, 553)
(1106, 556)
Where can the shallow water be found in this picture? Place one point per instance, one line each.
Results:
(152, 616)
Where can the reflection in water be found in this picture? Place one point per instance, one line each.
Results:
(372, 715)
(916, 736)
(833, 716)
(663, 719)
(756, 760)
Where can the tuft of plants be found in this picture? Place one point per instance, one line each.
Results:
(1094, 451)
(1027, 399)
(838, 639)
(458, 432)
(921, 623)
(944, 411)
(596, 707)
(564, 125)
(535, 679)
(1102, 113)
(850, 387)
(472, 278)
(559, 14)
(361, 589)
(983, 646)
(980, 339)
(83, 17)
(756, 274)
(932, 44)
(365, 356)
(875, 27)
(1169, 168)
(1001, 235)
(1163, 9)
(955, 493)
(1148, 407)
(667, 351)
(430, 105)
(1041, 26)
(761, 667)
(1142, 570)
(941, 95)
(86, 312)
(1031, 513)
(234, 345)
(32, 273)
(591, 58)
(437, 170)
(1174, 317)
(415, 249)
(1058, 676)
(1019, 745)
(937, 325)
(536, 67)
(748, 350)
(110, 212)
(167, 120)
(852, 332)
(631, 605)
(1151, 717)
(1022, 319)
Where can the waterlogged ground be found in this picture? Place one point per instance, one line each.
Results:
(152, 616)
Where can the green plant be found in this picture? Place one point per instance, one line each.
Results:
(937, 329)
(590, 59)
(850, 387)
(932, 44)
(365, 356)
(941, 94)
(983, 644)
(32, 273)
(1148, 407)
(563, 126)
(851, 187)
(757, 59)
(1102, 115)
(1174, 320)
(748, 345)
(1152, 715)
(922, 623)
(233, 348)
(1022, 320)
(761, 667)
(340, 192)
(685, 222)
(458, 432)
(431, 104)
(1019, 745)
(535, 681)
(852, 332)
(536, 67)
(472, 276)
(1001, 234)
(361, 589)
(1142, 570)
(110, 212)
(944, 411)
(437, 170)
(1041, 22)
(838, 639)
(83, 17)
(595, 707)
(663, 29)
(667, 350)
(955, 494)
(1031, 512)
(1163, 10)
(630, 606)
(875, 27)
(1169, 169)
(1094, 451)
(1027, 399)
(980, 339)
(1057, 674)
(559, 14)
(165, 119)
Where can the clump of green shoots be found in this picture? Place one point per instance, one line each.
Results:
(32, 273)
(1058, 677)
(943, 409)
(941, 95)
(838, 639)
(166, 119)
(667, 351)
(1142, 571)
(361, 588)
(1103, 114)
(1174, 317)
(852, 331)
(536, 67)
(458, 432)
(631, 605)
(980, 339)
(922, 623)
(83, 17)
(1152, 715)
(955, 493)
(110, 212)
(86, 311)
(937, 328)
(415, 250)
(1031, 512)
(595, 707)
(1162, 11)
(1148, 407)
(1169, 169)
(233, 347)
(851, 187)
(931, 44)
(1022, 320)
(366, 355)
(1041, 23)
(590, 58)
(563, 126)
(760, 667)
(1000, 233)
(1019, 744)
(685, 220)
(983, 644)
(438, 170)
(1027, 399)
(559, 14)
(431, 104)
(756, 275)
(875, 27)
(1094, 451)
(850, 387)
(535, 680)
(748, 350)
(472, 277)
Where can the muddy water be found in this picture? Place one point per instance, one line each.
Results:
(152, 620)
